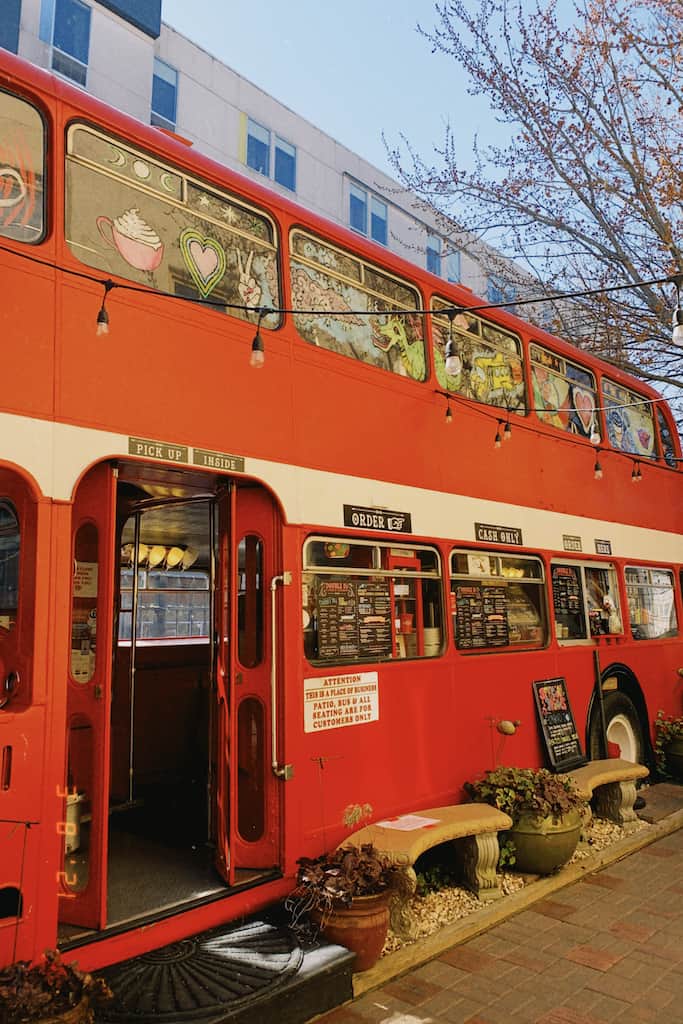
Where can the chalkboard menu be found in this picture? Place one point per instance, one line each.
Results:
(481, 618)
(558, 729)
(354, 619)
(566, 589)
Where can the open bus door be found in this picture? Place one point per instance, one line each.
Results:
(83, 899)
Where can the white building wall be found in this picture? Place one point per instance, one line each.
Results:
(212, 105)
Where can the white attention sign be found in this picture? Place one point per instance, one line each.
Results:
(331, 702)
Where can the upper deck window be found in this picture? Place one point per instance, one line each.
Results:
(630, 421)
(491, 368)
(666, 438)
(134, 216)
(651, 606)
(564, 394)
(22, 148)
(329, 285)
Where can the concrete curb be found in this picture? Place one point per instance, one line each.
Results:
(419, 952)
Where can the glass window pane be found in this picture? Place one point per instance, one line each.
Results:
(84, 603)
(164, 92)
(358, 210)
(668, 450)
(285, 164)
(378, 221)
(570, 619)
(258, 148)
(22, 141)
(250, 601)
(602, 599)
(434, 255)
(9, 565)
(453, 267)
(630, 420)
(651, 607)
(72, 29)
(564, 394)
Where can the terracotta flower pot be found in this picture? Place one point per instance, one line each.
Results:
(542, 845)
(362, 927)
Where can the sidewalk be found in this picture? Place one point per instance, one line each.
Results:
(598, 946)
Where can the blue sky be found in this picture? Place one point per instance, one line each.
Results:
(354, 70)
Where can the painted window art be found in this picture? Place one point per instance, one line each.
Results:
(329, 285)
(130, 215)
(490, 368)
(22, 170)
(630, 421)
(564, 394)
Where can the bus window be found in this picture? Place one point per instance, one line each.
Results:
(365, 601)
(630, 421)
(135, 216)
(651, 606)
(586, 601)
(9, 565)
(84, 603)
(497, 601)
(22, 153)
(489, 365)
(565, 394)
(328, 279)
(250, 601)
(666, 438)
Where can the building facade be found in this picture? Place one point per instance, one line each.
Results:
(124, 54)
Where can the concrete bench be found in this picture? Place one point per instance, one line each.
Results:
(611, 785)
(473, 828)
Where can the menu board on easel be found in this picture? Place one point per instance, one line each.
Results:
(558, 728)
(481, 618)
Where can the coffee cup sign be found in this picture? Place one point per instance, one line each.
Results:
(135, 241)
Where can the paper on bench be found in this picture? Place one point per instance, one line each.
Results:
(407, 822)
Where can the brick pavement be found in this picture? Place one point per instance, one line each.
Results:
(607, 948)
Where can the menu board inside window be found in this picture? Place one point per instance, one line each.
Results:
(354, 619)
(568, 601)
(481, 617)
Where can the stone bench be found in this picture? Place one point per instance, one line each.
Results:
(611, 785)
(472, 827)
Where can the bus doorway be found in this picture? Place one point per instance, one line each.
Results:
(192, 802)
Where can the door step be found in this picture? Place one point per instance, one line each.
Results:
(243, 973)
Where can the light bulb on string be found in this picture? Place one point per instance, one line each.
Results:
(453, 361)
(597, 468)
(507, 431)
(103, 315)
(595, 437)
(497, 440)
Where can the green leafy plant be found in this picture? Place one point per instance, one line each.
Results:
(667, 729)
(29, 992)
(533, 791)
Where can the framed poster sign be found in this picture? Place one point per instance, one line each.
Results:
(558, 728)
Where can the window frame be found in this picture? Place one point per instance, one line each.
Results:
(586, 608)
(48, 30)
(273, 144)
(634, 586)
(43, 170)
(480, 565)
(555, 365)
(158, 119)
(375, 211)
(433, 254)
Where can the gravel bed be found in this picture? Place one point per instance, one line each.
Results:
(427, 914)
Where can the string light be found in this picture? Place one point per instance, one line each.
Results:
(449, 414)
(103, 315)
(597, 468)
(453, 361)
(507, 431)
(496, 440)
(595, 434)
(636, 475)
(258, 355)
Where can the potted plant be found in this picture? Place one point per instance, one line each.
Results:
(546, 811)
(50, 991)
(669, 744)
(347, 895)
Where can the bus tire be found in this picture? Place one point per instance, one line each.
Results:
(623, 728)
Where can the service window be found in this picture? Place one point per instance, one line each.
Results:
(22, 156)
(497, 601)
(366, 601)
(630, 421)
(9, 565)
(586, 601)
(651, 606)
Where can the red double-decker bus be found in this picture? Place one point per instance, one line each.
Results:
(240, 606)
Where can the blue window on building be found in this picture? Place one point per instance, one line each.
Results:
(164, 95)
(368, 215)
(270, 155)
(453, 267)
(434, 254)
(499, 291)
(65, 25)
(285, 164)
(9, 25)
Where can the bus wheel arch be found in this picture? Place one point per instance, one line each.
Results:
(626, 718)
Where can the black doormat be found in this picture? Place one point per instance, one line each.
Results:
(206, 978)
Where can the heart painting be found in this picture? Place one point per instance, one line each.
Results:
(204, 258)
(584, 403)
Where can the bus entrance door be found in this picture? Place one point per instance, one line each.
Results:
(255, 787)
(83, 899)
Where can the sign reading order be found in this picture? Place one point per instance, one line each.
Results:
(333, 701)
